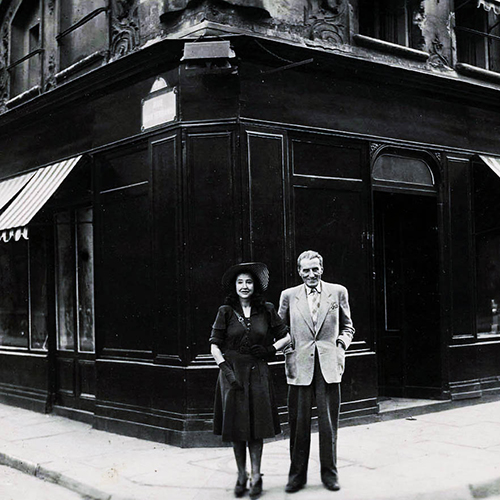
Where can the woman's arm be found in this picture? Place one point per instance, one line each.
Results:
(217, 354)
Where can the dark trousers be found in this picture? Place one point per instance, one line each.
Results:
(300, 402)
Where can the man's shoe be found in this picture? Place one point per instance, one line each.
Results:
(293, 487)
(332, 485)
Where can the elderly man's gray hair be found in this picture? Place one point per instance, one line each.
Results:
(309, 254)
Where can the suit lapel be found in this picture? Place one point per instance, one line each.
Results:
(303, 307)
(326, 302)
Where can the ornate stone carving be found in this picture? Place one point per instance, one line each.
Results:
(51, 6)
(436, 59)
(179, 5)
(326, 21)
(374, 147)
(125, 27)
(4, 56)
(51, 82)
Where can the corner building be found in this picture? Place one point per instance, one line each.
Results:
(146, 145)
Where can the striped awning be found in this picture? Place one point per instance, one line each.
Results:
(492, 162)
(490, 5)
(10, 187)
(29, 193)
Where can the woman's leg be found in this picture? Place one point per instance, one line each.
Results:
(240, 454)
(255, 446)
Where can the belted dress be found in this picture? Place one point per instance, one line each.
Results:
(249, 413)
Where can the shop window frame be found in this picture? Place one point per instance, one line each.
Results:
(31, 294)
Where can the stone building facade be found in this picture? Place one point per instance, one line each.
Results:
(147, 144)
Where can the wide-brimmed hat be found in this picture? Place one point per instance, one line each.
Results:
(257, 269)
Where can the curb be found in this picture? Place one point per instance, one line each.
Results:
(55, 477)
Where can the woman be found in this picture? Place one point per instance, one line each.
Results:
(247, 331)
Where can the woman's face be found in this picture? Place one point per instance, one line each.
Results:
(244, 286)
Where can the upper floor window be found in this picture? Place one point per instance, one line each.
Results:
(391, 20)
(84, 30)
(478, 35)
(26, 48)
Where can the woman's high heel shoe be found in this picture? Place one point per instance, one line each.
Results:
(240, 488)
(256, 488)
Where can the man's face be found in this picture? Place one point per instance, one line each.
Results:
(310, 271)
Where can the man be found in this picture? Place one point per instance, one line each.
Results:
(321, 329)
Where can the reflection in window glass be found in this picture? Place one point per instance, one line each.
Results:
(394, 21)
(65, 266)
(38, 287)
(400, 169)
(84, 235)
(477, 33)
(488, 283)
(14, 324)
(89, 37)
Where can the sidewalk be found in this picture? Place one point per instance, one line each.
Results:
(452, 454)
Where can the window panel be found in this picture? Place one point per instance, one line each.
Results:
(477, 33)
(25, 40)
(14, 323)
(488, 283)
(65, 279)
(38, 288)
(92, 36)
(85, 270)
(400, 169)
(391, 20)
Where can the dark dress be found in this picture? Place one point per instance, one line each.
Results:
(251, 413)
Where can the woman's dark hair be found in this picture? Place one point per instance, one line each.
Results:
(257, 300)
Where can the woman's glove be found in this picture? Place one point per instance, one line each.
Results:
(261, 352)
(230, 376)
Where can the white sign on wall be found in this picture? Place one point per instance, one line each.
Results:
(160, 106)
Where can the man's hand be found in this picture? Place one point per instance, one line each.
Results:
(261, 352)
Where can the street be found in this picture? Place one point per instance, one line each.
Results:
(16, 485)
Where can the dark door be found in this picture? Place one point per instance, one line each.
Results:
(408, 336)
(75, 354)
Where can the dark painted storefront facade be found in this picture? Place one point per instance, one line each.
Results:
(107, 307)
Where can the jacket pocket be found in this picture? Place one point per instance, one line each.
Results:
(341, 359)
(291, 364)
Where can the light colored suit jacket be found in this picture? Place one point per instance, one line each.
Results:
(334, 322)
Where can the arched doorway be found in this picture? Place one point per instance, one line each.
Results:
(407, 276)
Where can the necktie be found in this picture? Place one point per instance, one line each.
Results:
(314, 305)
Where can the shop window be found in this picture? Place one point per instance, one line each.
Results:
(478, 35)
(75, 281)
(392, 21)
(14, 322)
(487, 245)
(84, 30)
(25, 48)
(23, 293)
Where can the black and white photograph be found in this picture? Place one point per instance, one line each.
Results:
(249, 249)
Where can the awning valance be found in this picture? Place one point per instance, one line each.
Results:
(492, 162)
(29, 193)
(490, 5)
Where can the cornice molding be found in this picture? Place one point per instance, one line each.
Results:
(167, 53)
